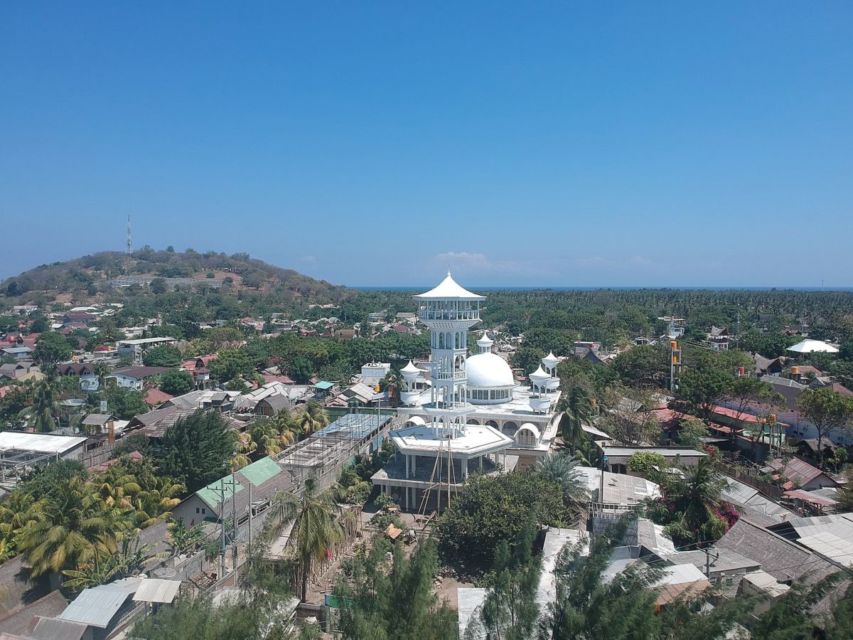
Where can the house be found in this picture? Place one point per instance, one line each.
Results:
(135, 377)
(374, 372)
(135, 347)
(614, 491)
(261, 480)
(101, 609)
(787, 388)
(154, 397)
(18, 370)
(40, 446)
(616, 457)
(723, 567)
(273, 404)
(799, 474)
(829, 536)
(17, 352)
(97, 423)
(764, 366)
(89, 381)
(718, 338)
(786, 561)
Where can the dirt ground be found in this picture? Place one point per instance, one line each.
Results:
(446, 590)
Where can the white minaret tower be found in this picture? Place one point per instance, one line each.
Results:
(449, 311)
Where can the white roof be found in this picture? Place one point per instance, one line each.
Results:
(485, 340)
(539, 375)
(550, 360)
(97, 606)
(157, 590)
(812, 346)
(410, 368)
(39, 442)
(487, 370)
(449, 289)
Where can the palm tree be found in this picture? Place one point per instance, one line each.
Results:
(45, 407)
(578, 410)
(67, 532)
(104, 568)
(315, 527)
(562, 469)
(697, 495)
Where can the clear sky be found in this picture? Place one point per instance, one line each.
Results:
(381, 143)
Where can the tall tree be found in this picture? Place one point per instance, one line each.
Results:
(578, 410)
(382, 602)
(52, 347)
(827, 410)
(45, 406)
(315, 527)
(197, 449)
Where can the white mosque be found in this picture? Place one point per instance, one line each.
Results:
(465, 414)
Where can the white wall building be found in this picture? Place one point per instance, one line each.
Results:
(463, 413)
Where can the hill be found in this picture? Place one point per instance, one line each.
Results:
(93, 276)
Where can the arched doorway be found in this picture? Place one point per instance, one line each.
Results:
(509, 428)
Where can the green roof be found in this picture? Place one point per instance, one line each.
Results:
(212, 494)
(324, 385)
(259, 472)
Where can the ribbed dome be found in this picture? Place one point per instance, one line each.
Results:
(487, 370)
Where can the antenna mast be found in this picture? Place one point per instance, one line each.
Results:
(129, 237)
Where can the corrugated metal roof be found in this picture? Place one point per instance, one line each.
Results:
(324, 385)
(259, 472)
(157, 590)
(97, 606)
(57, 629)
(215, 492)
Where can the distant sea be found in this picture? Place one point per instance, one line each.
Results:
(604, 288)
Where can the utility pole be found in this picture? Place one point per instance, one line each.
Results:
(251, 512)
(708, 555)
(222, 526)
(234, 528)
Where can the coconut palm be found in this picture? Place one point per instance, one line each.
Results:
(577, 411)
(695, 497)
(104, 568)
(315, 527)
(68, 531)
(562, 469)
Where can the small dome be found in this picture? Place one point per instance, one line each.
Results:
(487, 370)
(485, 343)
(410, 369)
(538, 376)
(550, 360)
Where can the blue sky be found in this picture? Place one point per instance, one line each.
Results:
(381, 143)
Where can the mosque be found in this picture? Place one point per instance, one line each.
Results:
(464, 414)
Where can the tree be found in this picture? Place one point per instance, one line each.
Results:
(69, 530)
(176, 383)
(649, 465)
(492, 509)
(509, 610)
(51, 348)
(128, 560)
(183, 540)
(590, 608)
(689, 507)
(396, 601)
(157, 286)
(561, 469)
(45, 407)
(690, 433)
(250, 616)
(631, 420)
(230, 364)
(196, 449)
(827, 410)
(315, 527)
(125, 403)
(162, 356)
(578, 410)
(645, 365)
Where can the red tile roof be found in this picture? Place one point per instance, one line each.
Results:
(735, 415)
(154, 396)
